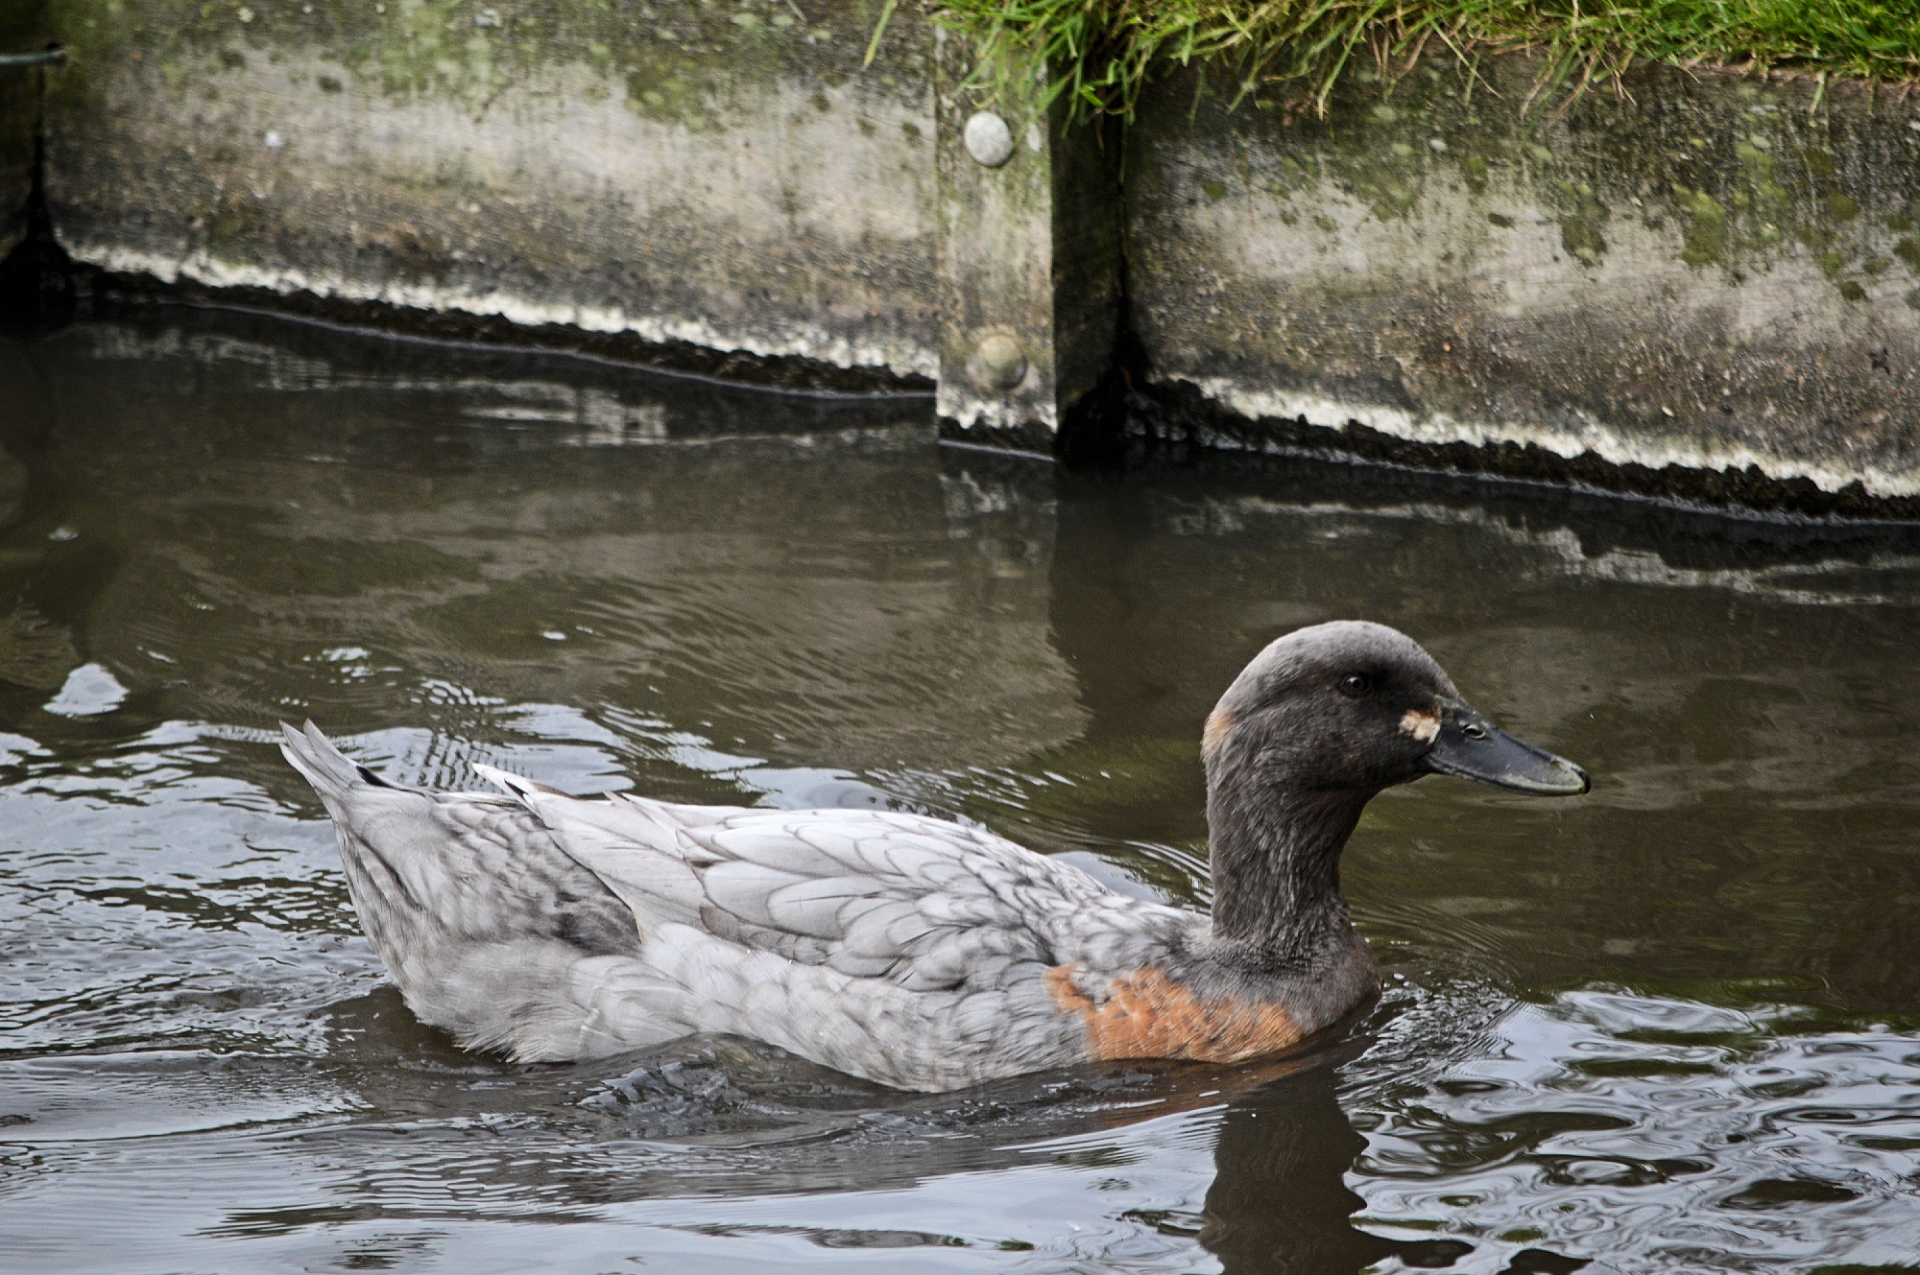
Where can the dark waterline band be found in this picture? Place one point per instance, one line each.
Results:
(492, 334)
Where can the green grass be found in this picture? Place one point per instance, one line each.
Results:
(1103, 51)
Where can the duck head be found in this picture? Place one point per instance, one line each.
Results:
(1354, 707)
(1321, 721)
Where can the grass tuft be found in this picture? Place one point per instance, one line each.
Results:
(1103, 51)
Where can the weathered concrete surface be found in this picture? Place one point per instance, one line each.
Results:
(724, 175)
(1711, 272)
(22, 29)
(1030, 254)
(1708, 288)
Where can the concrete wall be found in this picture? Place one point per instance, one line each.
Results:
(1707, 287)
(1031, 250)
(716, 173)
(1707, 272)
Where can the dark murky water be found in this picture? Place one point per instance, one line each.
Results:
(1670, 1026)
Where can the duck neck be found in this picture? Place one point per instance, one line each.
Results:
(1276, 874)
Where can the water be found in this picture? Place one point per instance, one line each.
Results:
(1668, 1026)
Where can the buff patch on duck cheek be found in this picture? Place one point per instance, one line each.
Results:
(1219, 722)
(1422, 726)
(1148, 1015)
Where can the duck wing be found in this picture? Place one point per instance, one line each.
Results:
(924, 903)
(910, 950)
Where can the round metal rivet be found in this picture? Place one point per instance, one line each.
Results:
(988, 139)
(1000, 361)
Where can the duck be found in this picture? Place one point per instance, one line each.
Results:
(911, 951)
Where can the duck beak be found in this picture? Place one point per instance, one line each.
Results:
(1470, 746)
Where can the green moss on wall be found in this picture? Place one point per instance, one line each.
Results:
(682, 60)
(1745, 172)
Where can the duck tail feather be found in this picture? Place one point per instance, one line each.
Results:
(331, 772)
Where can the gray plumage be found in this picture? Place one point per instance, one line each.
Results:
(913, 951)
(908, 950)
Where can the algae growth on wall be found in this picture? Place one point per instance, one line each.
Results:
(1700, 273)
(720, 174)
(1700, 270)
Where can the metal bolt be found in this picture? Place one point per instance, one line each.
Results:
(998, 361)
(988, 139)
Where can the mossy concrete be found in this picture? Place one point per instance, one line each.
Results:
(724, 174)
(1701, 270)
(1702, 274)
(1030, 252)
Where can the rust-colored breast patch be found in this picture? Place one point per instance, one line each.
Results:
(1148, 1015)
(1219, 722)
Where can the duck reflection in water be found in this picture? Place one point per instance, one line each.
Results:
(1279, 1203)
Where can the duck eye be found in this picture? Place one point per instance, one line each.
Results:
(1355, 684)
